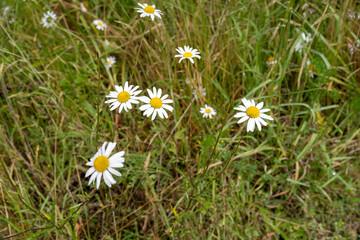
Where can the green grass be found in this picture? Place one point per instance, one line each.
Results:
(215, 181)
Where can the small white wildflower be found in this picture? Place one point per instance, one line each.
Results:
(195, 93)
(100, 25)
(48, 19)
(106, 43)
(271, 61)
(83, 6)
(123, 97)
(187, 53)
(253, 113)
(207, 111)
(110, 61)
(156, 104)
(304, 40)
(311, 68)
(147, 10)
(102, 165)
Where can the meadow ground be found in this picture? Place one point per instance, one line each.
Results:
(184, 177)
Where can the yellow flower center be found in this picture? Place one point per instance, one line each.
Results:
(149, 9)
(253, 112)
(99, 23)
(123, 96)
(101, 163)
(187, 54)
(311, 67)
(109, 62)
(156, 102)
(85, 4)
(207, 111)
(271, 59)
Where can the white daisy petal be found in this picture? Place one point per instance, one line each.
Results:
(89, 164)
(98, 179)
(90, 171)
(180, 50)
(103, 148)
(118, 88)
(243, 119)
(160, 114)
(116, 164)
(168, 107)
(121, 107)
(258, 124)
(151, 94)
(114, 172)
(128, 105)
(239, 115)
(164, 113)
(106, 180)
(149, 111)
(168, 101)
(111, 101)
(159, 93)
(266, 116)
(116, 155)
(246, 103)
(260, 105)
(154, 114)
(164, 97)
(93, 177)
(181, 59)
(144, 107)
(109, 177)
(262, 121)
(251, 125)
(264, 110)
(241, 108)
(110, 148)
(115, 105)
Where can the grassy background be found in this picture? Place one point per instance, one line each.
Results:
(296, 179)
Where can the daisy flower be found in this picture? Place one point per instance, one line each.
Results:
(156, 104)
(253, 113)
(11, 20)
(100, 25)
(48, 20)
(195, 92)
(5, 10)
(147, 10)
(305, 39)
(110, 61)
(123, 97)
(103, 166)
(106, 43)
(84, 6)
(311, 68)
(207, 111)
(271, 61)
(187, 52)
